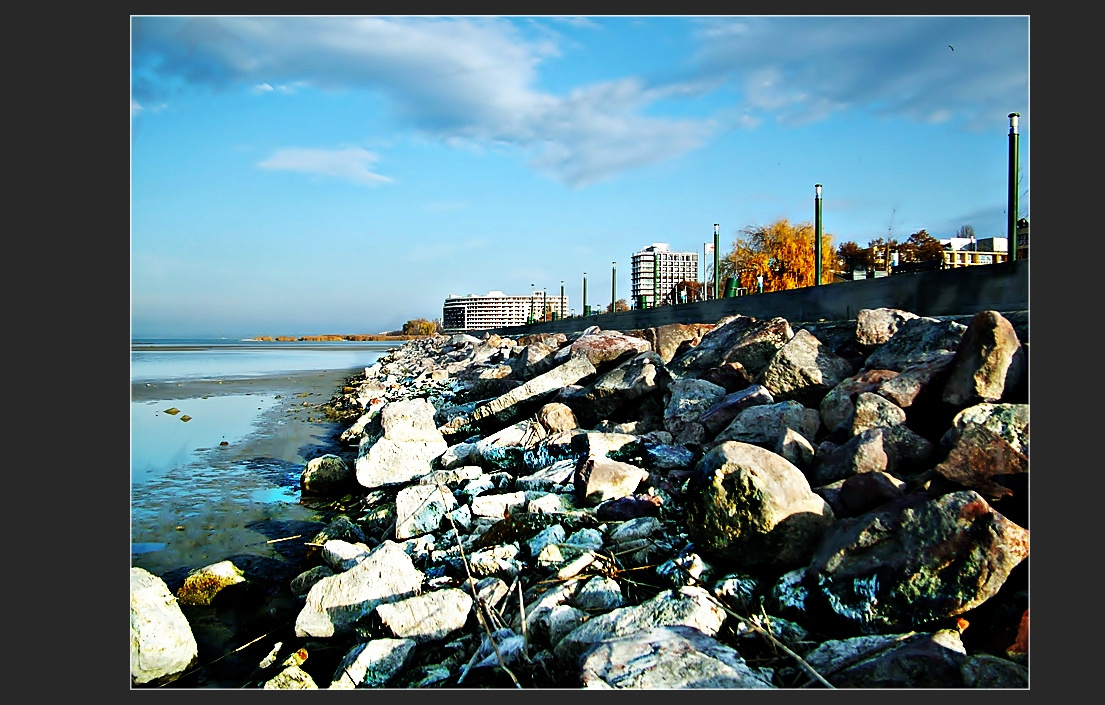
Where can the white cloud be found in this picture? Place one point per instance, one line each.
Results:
(351, 163)
(799, 69)
(475, 81)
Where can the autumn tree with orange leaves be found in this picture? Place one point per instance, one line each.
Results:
(783, 253)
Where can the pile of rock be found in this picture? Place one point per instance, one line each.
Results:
(742, 505)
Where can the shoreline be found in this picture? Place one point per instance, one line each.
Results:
(307, 380)
(286, 436)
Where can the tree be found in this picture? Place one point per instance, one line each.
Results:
(782, 253)
(851, 256)
(965, 231)
(419, 326)
(620, 305)
(921, 247)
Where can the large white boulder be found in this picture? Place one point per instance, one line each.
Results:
(161, 640)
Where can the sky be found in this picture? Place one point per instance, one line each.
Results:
(308, 175)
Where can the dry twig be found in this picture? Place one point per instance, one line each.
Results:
(482, 610)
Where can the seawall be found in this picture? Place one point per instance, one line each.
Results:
(945, 292)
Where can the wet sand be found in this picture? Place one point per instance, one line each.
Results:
(241, 504)
(326, 382)
(230, 497)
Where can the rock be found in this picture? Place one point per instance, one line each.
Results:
(988, 359)
(598, 479)
(372, 664)
(203, 584)
(853, 512)
(752, 507)
(410, 442)
(687, 606)
(419, 509)
(666, 658)
(325, 475)
(803, 370)
(892, 661)
(291, 678)
(161, 642)
(640, 377)
(906, 564)
(428, 617)
(334, 604)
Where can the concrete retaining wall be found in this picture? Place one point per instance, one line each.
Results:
(943, 292)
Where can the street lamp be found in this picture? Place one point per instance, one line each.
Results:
(585, 311)
(613, 285)
(561, 307)
(532, 297)
(1014, 145)
(817, 235)
(544, 303)
(717, 261)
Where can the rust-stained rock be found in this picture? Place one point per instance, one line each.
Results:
(906, 564)
(978, 457)
(667, 339)
(604, 348)
(988, 358)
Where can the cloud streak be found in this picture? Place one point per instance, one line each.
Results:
(803, 69)
(351, 164)
(476, 80)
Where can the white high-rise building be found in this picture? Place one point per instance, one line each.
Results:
(497, 310)
(656, 271)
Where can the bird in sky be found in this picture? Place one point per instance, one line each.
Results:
(951, 47)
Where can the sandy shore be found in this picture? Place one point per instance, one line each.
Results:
(291, 432)
(326, 381)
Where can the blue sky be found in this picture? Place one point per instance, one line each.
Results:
(310, 175)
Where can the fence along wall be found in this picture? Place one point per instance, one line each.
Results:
(943, 292)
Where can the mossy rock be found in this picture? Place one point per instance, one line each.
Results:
(202, 585)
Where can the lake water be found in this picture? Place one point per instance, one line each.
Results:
(190, 498)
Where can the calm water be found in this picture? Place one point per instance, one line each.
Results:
(190, 499)
(189, 359)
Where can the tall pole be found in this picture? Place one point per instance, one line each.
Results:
(1014, 140)
(532, 301)
(585, 294)
(817, 235)
(717, 261)
(703, 271)
(562, 298)
(544, 303)
(613, 286)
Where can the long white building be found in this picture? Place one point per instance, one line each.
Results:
(498, 310)
(655, 272)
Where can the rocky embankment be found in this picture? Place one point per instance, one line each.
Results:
(748, 504)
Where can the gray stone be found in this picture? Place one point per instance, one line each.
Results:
(161, 642)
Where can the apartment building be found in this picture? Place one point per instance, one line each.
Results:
(656, 271)
(497, 310)
(966, 252)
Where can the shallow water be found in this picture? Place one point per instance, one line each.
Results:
(161, 441)
(195, 501)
